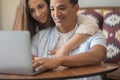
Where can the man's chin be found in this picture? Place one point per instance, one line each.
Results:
(58, 25)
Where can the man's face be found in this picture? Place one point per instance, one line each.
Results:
(63, 13)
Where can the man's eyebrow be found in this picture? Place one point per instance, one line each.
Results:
(58, 6)
(62, 6)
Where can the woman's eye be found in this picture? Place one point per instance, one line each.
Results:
(40, 6)
(31, 10)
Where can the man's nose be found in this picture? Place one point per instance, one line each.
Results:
(57, 13)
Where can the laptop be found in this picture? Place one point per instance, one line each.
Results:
(15, 53)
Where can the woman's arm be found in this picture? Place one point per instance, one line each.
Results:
(87, 27)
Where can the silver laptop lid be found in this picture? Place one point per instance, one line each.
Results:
(15, 52)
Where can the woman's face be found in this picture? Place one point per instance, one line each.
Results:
(39, 10)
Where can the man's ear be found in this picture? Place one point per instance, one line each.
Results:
(77, 7)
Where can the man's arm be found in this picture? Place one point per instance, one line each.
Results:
(96, 54)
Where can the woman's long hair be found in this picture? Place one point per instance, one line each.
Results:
(24, 21)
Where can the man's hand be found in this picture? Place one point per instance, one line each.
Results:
(46, 63)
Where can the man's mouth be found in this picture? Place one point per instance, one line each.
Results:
(58, 20)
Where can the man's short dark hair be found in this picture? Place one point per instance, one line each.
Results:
(73, 2)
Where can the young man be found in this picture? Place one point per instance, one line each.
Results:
(90, 52)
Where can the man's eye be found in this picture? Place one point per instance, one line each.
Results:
(62, 8)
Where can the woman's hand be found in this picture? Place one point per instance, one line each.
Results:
(46, 63)
(59, 52)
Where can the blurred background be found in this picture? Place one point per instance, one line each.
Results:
(8, 9)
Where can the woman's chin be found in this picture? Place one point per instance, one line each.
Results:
(42, 21)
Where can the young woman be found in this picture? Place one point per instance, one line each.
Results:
(34, 15)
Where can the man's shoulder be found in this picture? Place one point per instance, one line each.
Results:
(43, 30)
(46, 30)
(43, 33)
(98, 34)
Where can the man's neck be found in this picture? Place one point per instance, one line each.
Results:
(67, 28)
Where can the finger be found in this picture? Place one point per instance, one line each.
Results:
(39, 68)
(51, 52)
(36, 59)
(37, 63)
